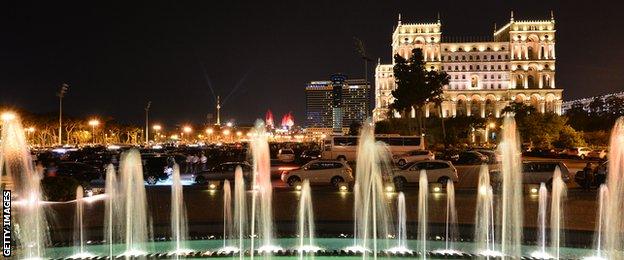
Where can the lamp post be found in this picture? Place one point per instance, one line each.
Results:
(186, 130)
(157, 129)
(93, 123)
(149, 104)
(61, 94)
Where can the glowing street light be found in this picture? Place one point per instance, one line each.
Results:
(8, 116)
(209, 131)
(187, 129)
(229, 124)
(239, 133)
(157, 128)
(93, 123)
(492, 125)
(226, 132)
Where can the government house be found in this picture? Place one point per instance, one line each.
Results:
(515, 64)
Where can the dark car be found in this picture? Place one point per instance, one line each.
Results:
(309, 155)
(79, 171)
(448, 155)
(471, 157)
(157, 168)
(224, 171)
(600, 175)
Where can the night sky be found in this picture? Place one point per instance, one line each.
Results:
(117, 55)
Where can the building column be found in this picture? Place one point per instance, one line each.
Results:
(525, 81)
(454, 108)
(558, 106)
(468, 104)
(552, 81)
(542, 106)
(426, 110)
(483, 109)
(541, 80)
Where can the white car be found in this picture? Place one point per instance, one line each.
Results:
(437, 171)
(597, 154)
(286, 155)
(320, 172)
(535, 172)
(413, 156)
(579, 152)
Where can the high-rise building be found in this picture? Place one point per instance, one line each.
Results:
(333, 105)
(515, 64)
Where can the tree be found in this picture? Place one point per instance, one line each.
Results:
(354, 128)
(415, 85)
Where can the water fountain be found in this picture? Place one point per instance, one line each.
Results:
(541, 224)
(557, 210)
(511, 211)
(401, 232)
(603, 192)
(305, 222)
(135, 225)
(228, 223)
(451, 232)
(179, 226)
(371, 211)
(262, 196)
(484, 218)
(614, 223)
(423, 210)
(16, 162)
(112, 223)
(79, 236)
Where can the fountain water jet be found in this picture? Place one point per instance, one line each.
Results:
(451, 222)
(112, 226)
(179, 225)
(613, 236)
(484, 217)
(558, 197)
(511, 211)
(262, 196)
(306, 222)
(401, 236)
(423, 209)
(79, 238)
(15, 160)
(541, 223)
(603, 192)
(372, 211)
(135, 225)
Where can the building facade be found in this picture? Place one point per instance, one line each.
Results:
(333, 105)
(515, 64)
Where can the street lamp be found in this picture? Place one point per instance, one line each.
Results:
(186, 130)
(157, 129)
(61, 94)
(30, 131)
(149, 104)
(93, 123)
(8, 116)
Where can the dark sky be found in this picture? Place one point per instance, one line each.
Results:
(117, 55)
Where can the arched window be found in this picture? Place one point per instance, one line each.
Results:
(530, 81)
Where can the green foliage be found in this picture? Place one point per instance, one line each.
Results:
(415, 85)
(59, 188)
(597, 138)
(544, 130)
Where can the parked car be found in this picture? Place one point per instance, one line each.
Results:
(599, 154)
(157, 168)
(332, 172)
(536, 172)
(471, 157)
(437, 171)
(79, 171)
(222, 172)
(577, 152)
(492, 156)
(413, 156)
(448, 155)
(309, 155)
(286, 155)
(600, 175)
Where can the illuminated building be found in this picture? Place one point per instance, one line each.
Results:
(331, 106)
(515, 64)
